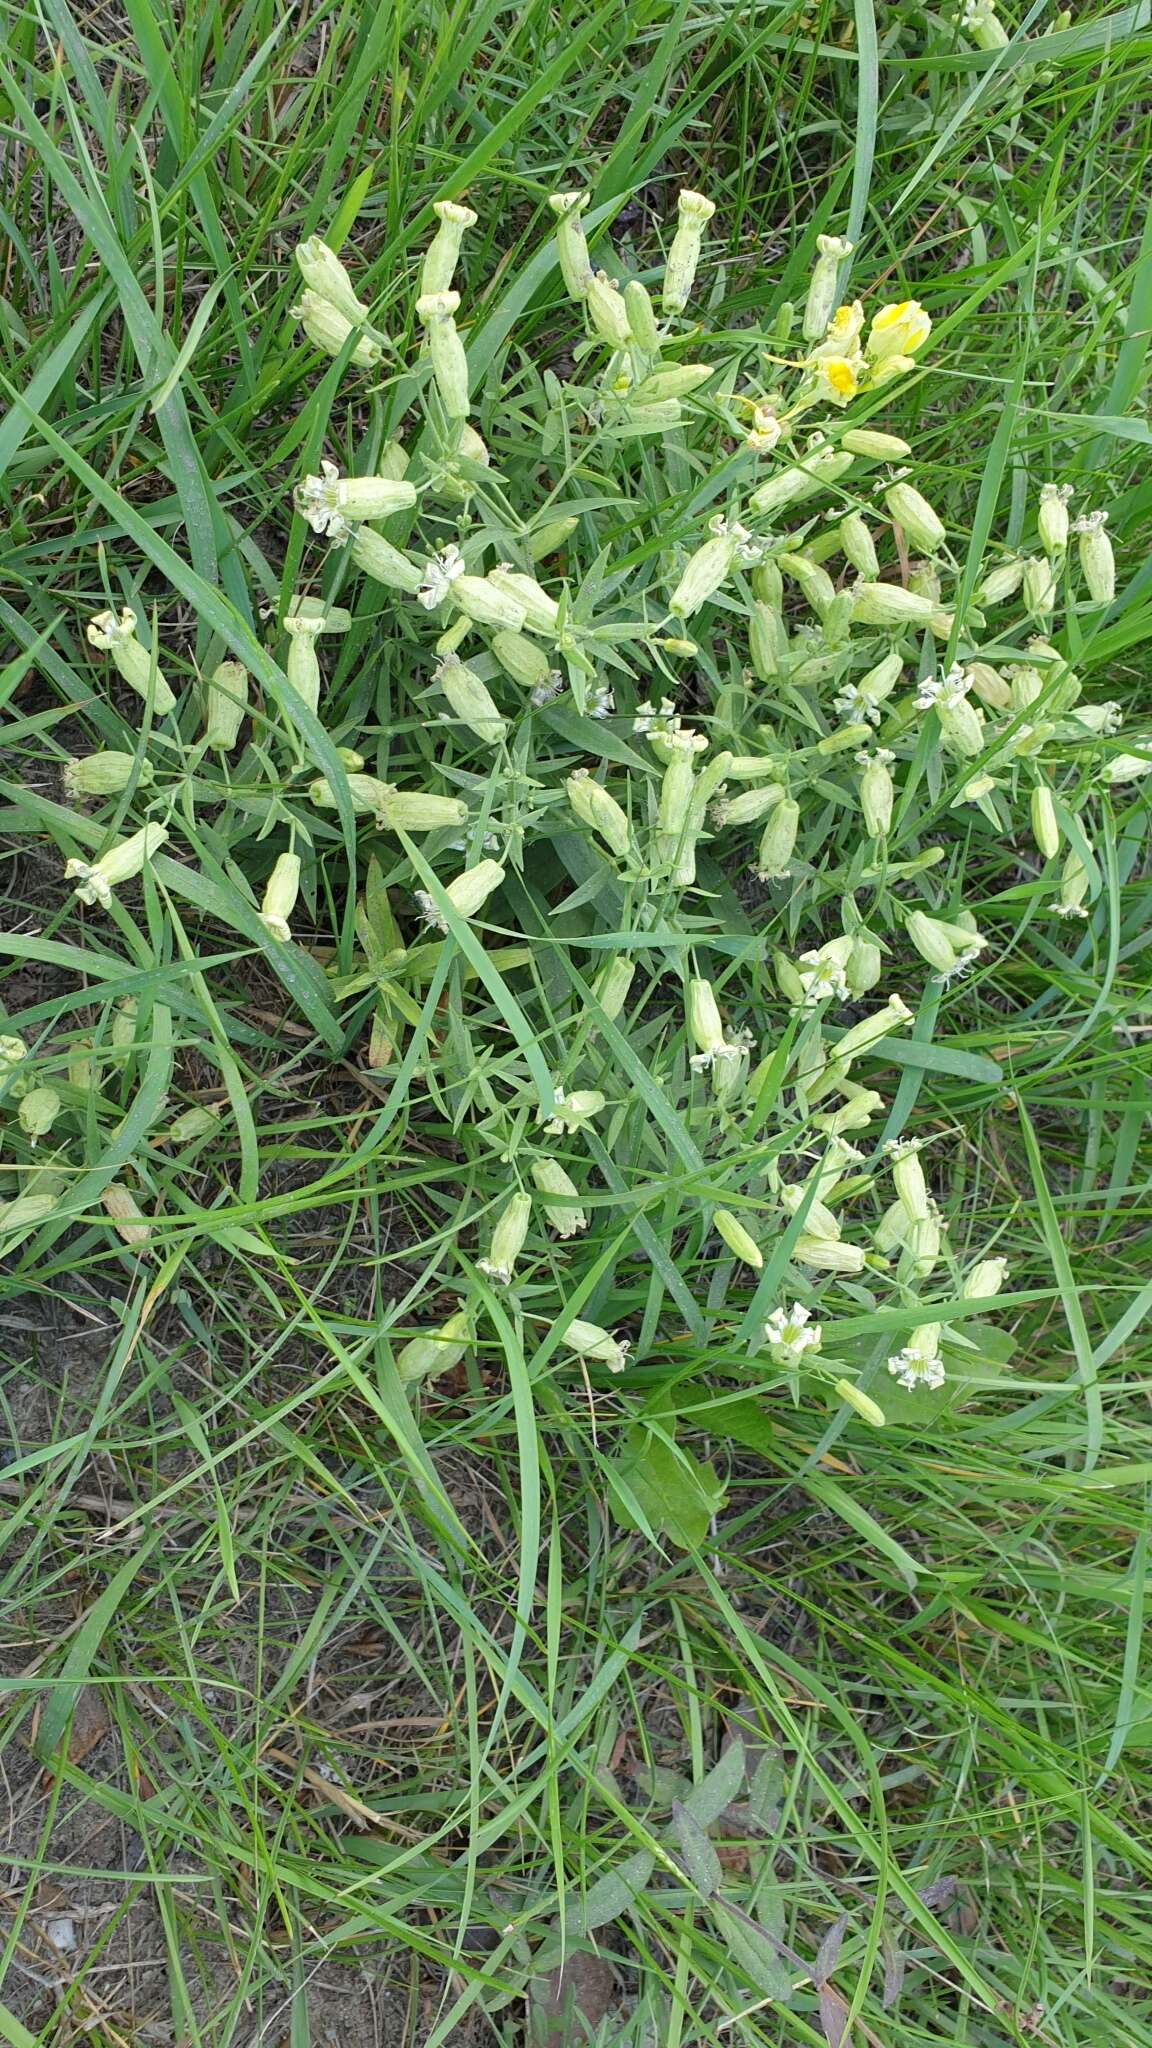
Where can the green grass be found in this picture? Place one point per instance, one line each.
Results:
(330, 1702)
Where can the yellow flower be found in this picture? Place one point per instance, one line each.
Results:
(838, 379)
(898, 330)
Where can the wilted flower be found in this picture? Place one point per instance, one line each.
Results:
(1096, 558)
(694, 212)
(831, 251)
(329, 328)
(115, 634)
(507, 1240)
(589, 1341)
(96, 880)
(279, 899)
(467, 893)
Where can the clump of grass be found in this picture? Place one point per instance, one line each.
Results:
(585, 1260)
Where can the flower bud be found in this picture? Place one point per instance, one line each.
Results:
(749, 806)
(864, 966)
(38, 1112)
(467, 893)
(120, 1204)
(792, 485)
(328, 327)
(694, 212)
(822, 292)
(857, 544)
(383, 563)
(599, 810)
(789, 980)
(861, 1037)
(828, 1255)
(931, 940)
(541, 612)
(1001, 582)
(877, 446)
(588, 1340)
(814, 581)
(507, 1240)
(889, 604)
(107, 773)
(571, 246)
(443, 251)
(1097, 562)
(868, 1410)
(550, 537)
(767, 582)
(1045, 829)
(95, 882)
(225, 703)
(523, 659)
(422, 1357)
(407, 810)
(679, 380)
(485, 603)
(471, 700)
(279, 898)
(876, 791)
(612, 985)
(607, 311)
(325, 275)
(989, 686)
(1039, 587)
(191, 1124)
(1052, 518)
(737, 1239)
(778, 841)
(915, 515)
(334, 504)
(921, 1248)
(449, 362)
(642, 320)
(897, 330)
(985, 1278)
(767, 642)
(303, 665)
(676, 794)
(566, 1217)
(116, 635)
(706, 570)
(819, 1221)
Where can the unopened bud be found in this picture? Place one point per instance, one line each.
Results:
(1045, 828)
(828, 1255)
(641, 317)
(778, 841)
(571, 246)
(911, 511)
(325, 275)
(598, 809)
(869, 1410)
(889, 604)
(1039, 587)
(1001, 582)
(877, 446)
(38, 1112)
(612, 985)
(876, 792)
(861, 1037)
(985, 1278)
(607, 311)
(329, 328)
(1052, 518)
(737, 1238)
(384, 563)
(822, 292)
(858, 545)
(225, 703)
(471, 700)
(523, 659)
